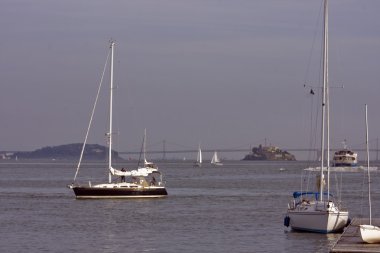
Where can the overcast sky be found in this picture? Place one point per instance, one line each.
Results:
(224, 73)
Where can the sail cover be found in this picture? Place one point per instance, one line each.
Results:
(140, 172)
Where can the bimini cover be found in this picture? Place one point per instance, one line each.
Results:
(140, 172)
(316, 194)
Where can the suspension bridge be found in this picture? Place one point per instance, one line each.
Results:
(164, 153)
(310, 152)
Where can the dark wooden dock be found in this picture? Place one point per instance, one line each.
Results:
(350, 240)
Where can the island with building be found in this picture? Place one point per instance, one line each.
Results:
(269, 153)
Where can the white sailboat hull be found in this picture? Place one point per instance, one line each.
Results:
(370, 234)
(318, 221)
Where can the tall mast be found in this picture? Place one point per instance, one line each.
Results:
(326, 77)
(324, 100)
(144, 147)
(110, 118)
(369, 175)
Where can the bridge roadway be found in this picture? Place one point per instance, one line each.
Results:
(230, 151)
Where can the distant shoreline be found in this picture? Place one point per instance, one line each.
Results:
(70, 152)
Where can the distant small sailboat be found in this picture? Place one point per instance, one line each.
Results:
(215, 160)
(198, 163)
(369, 233)
(147, 164)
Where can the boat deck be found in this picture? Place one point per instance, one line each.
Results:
(350, 240)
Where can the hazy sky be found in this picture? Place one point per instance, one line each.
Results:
(221, 72)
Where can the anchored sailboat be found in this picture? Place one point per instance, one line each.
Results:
(142, 182)
(316, 211)
(215, 160)
(369, 233)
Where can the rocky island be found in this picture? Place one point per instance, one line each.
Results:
(269, 153)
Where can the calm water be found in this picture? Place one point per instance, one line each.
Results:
(235, 208)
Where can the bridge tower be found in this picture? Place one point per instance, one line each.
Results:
(164, 150)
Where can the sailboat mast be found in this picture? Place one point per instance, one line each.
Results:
(144, 147)
(110, 118)
(324, 98)
(326, 77)
(369, 175)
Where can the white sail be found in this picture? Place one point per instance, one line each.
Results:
(199, 157)
(198, 162)
(215, 159)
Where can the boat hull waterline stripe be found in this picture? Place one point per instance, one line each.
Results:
(121, 197)
(118, 193)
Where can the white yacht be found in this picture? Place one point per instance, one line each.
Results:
(345, 157)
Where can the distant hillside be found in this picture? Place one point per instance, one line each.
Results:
(68, 152)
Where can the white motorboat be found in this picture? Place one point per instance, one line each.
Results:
(345, 157)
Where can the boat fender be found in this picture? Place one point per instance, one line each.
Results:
(286, 221)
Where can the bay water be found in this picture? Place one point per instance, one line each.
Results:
(238, 207)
